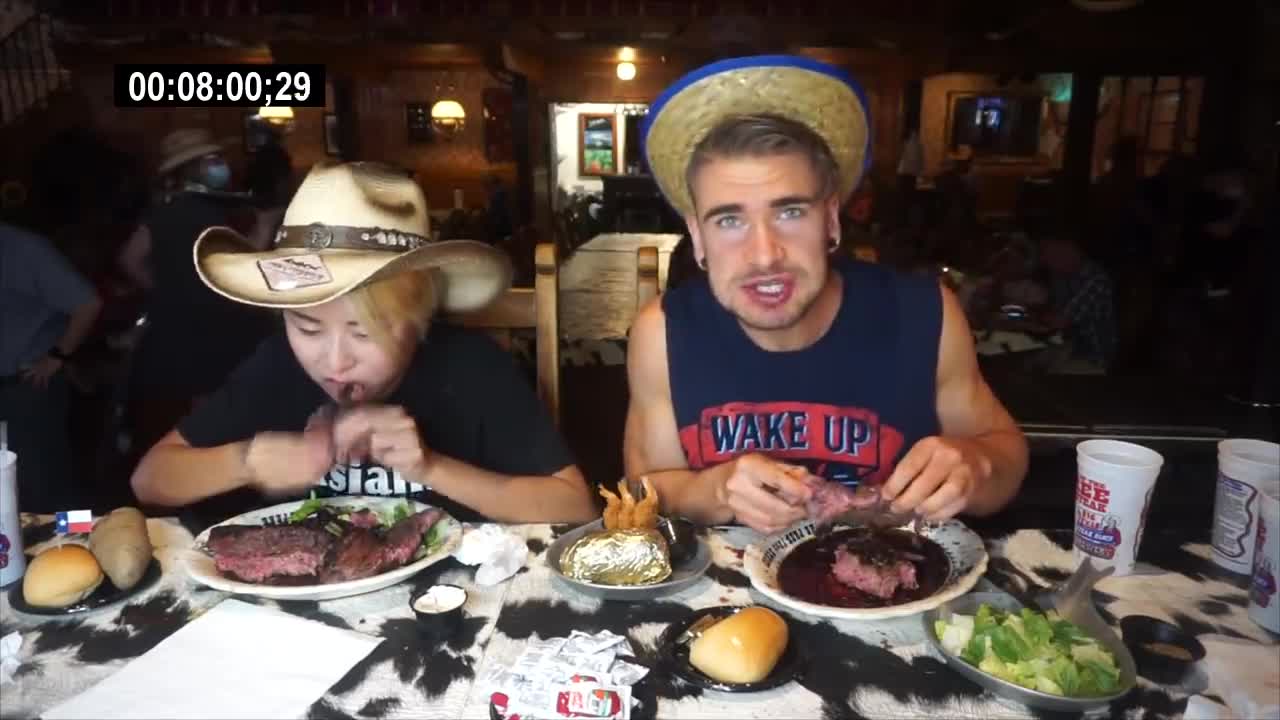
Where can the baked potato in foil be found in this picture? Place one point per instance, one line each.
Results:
(618, 557)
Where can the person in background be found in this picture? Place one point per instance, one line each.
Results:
(270, 181)
(787, 358)
(179, 358)
(1083, 307)
(46, 311)
(358, 390)
(499, 224)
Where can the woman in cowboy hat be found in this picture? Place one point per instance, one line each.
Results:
(407, 406)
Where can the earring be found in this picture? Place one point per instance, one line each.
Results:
(835, 244)
(701, 263)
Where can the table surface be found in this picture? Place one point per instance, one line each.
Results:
(882, 669)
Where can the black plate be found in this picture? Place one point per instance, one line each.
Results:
(676, 656)
(106, 594)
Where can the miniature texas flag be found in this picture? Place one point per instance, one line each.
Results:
(74, 521)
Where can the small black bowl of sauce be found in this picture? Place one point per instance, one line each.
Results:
(439, 611)
(681, 536)
(1163, 652)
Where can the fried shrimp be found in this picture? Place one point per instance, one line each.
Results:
(626, 516)
(645, 516)
(612, 505)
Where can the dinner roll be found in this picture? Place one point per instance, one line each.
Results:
(742, 648)
(61, 576)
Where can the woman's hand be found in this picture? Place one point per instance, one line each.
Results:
(281, 463)
(385, 434)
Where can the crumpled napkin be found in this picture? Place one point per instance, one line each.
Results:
(9, 646)
(499, 552)
(1244, 674)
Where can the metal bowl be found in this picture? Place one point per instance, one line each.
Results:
(968, 605)
(683, 573)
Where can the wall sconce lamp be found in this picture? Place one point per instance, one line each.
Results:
(626, 71)
(448, 117)
(280, 117)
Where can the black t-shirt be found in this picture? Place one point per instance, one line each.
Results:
(467, 395)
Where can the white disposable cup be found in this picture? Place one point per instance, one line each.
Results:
(12, 562)
(1264, 604)
(1114, 482)
(1246, 468)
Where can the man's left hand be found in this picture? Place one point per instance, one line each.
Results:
(41, 371)
(937, 477)
(384, 433)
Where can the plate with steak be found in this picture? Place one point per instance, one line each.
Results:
(867, 572)
(322, 548)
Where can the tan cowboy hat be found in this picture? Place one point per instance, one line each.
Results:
(184, 145)
(821, 96)
(349, 224)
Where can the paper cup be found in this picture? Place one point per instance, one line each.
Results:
(12, 562)
(1114, 482)
(1264, 606)
(1246, 468)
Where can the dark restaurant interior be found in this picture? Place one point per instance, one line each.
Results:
(994, 125)
(1096, 182)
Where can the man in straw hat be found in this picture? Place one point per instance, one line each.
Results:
(406, 406)
(785, 353)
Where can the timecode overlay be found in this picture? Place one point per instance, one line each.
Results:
(219, 85)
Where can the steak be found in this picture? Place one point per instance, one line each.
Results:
(257, 554)
(830, 503)
(284, 554)
(875, 567)
(362, 553)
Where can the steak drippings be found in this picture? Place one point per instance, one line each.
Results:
(806, 572)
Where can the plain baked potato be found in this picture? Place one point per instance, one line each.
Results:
(122, 546)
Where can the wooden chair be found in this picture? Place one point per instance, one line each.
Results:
(536, 308)
(646, 275)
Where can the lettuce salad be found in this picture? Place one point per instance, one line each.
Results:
(1039, 651)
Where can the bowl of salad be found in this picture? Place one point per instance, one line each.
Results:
(1029, 654)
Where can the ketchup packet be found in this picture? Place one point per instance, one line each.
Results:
(592, 700)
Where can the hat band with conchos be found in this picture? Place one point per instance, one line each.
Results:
(318, 236)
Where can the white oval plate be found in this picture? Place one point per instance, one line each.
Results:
(965, 551)
(201, 568)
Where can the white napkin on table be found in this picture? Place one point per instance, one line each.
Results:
(236, 661)
(9, 646)
(1244, 674)
(499, 552)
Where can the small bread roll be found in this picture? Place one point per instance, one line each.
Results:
(122, 546)
(61, 576)
(742, 648)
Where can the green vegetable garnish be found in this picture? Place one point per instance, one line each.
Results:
(1040, 651)
(306, 510)
(432, 539)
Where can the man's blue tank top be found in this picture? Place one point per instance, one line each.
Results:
(847, 407)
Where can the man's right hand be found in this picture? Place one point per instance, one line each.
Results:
(765, 495)
(281, 463)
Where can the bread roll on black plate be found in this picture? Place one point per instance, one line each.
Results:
(742, 648)
(61, 576)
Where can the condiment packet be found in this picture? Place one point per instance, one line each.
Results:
(580, 643)
(9, 646)
(625, 673)
(566, 678)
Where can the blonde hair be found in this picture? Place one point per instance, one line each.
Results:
(408, 297)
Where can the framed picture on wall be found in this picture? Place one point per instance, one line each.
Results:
(597, 144)
(332, 143)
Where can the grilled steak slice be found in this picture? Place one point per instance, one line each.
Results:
(258, 554)
(875, 566)
(361, 553)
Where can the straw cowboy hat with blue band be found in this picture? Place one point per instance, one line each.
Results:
(348, 225)
(821, 96)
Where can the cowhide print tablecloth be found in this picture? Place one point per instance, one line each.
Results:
(872, 670)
